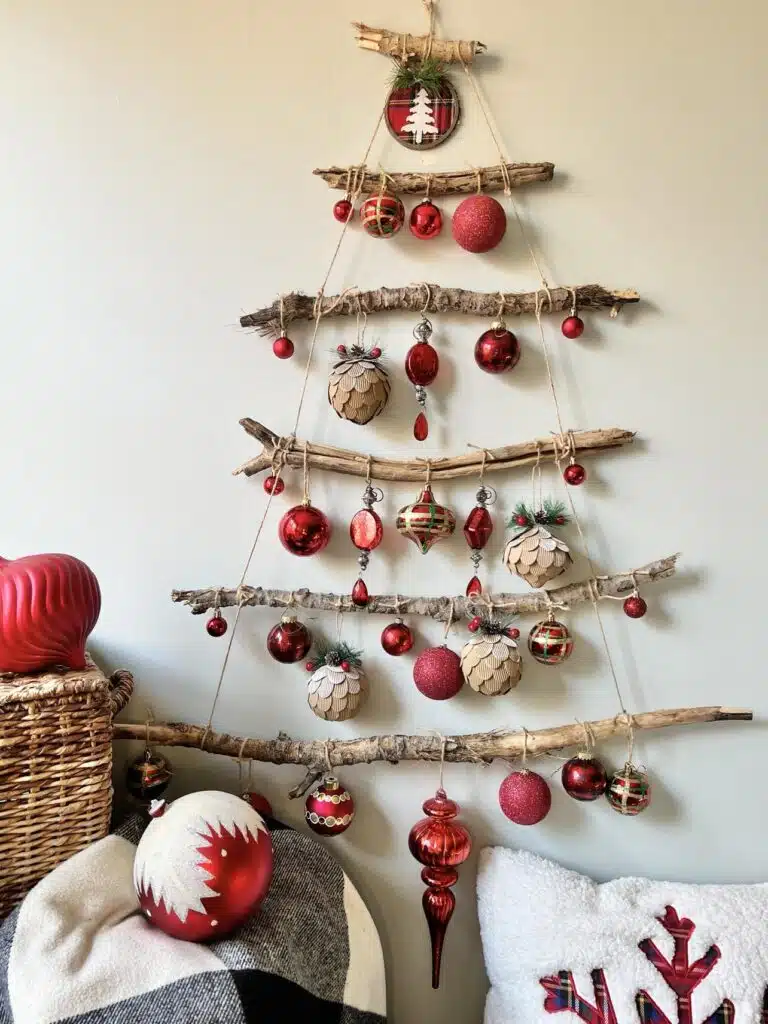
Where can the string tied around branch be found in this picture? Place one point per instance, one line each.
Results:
(589, 738)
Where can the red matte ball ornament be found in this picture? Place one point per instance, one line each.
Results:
(574, 474)
(342, 210)
(283, 347)
(572, 327)
(216, 625)
(437, 673)
(304, 530)
(479, 223)
(525, 797)
(497, 350)
(584, 778)
(635, 607)
(396, 639)
(426, 220)
(289, 641)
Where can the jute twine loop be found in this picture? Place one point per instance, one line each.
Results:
(443, 742)
(428, 293)
(327, 752)
(536, 476)
(282, 316)
(479, 177)
(148, 720)
(397, 605)
(573, 300)
(339, 616)
(428, 478)
(305, 474)
(630, 723)
(502, 304)
(589, 737)
(428, 178)
(525, 749)
(505, 178)
(449, 619)
(369, 464)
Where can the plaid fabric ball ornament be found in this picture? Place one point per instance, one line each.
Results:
(382, 215)
(425, 521)
(629, 790)
(550, 642)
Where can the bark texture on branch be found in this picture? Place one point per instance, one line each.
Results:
(617, 585)
(402, 45)
(441, 183)
(414, 298)
(342, 460)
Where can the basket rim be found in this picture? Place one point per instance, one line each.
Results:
(48, 683)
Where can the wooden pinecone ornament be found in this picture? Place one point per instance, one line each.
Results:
(358, 385)
(534, 553)
(337, 686)
(490, 660)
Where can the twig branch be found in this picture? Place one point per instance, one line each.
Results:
(441, 183)
(297, 306)
(402, 45)
(342, 460)
(439, 608)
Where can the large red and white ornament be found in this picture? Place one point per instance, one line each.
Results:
(479, 223)
(382, 215)
(437, 673)
(289, 640)
(304, 530)
(329, 808)
(525, 797)
(584, 777)
(203, 865)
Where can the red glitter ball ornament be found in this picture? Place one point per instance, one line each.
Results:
(525, 797)
(426, 220)
(635, 607)
(497, 350)
(572, 327)
(289, 640)
(342, 210)
(360, 593)
(282, 347)
(366, 529)
(479, 223)
(584, 778)
(329, 808)
(437, 673)
(304, 530)
(216, 625)
(574, 474)
(273, 485)
(396, 639)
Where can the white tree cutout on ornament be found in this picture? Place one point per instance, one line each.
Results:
(420, 120)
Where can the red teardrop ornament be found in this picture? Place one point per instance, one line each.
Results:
(421, 427)
(360, 593)
(422, 363)
(478, 527)
(474, 587)
(366, 529)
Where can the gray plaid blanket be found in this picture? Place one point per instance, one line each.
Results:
(76, 951)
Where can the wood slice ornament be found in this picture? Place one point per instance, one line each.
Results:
(337, 686)
(422, 109)
(490, 660)
(358, 385)
(534, 553)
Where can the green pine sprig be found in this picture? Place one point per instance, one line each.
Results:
(489, 626)
(429, 72)
(334, 654)
(551, 513)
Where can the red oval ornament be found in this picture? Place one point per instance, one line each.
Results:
(366, 529)
(422, 363)
(478, 527)
(420, 117)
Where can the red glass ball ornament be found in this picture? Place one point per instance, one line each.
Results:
(635, 607)
(360, 593)
(584, 778)
(282, 347)
(216, 625)
(259, 803)
(497, 350)
(572, 327)
(478, 527)
(273, 485)
(366, 529)
(329, 808)
(521, 520)
(342, 210)
(203, 865)
(479, 223)
(574, 474)
(382, 215)
(550, 642)
(396, 639)
(525, 797)
(422, 363)
(426, 220)
(437, 673)
(289, 641)
(304, 530)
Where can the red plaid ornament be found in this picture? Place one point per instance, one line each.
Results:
(382, 215)
(550, 642)
(629, 791)
(420, 117)
(425, 521)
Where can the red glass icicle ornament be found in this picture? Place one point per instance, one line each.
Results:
(477, 531)
(421, 365)
(366, 531)
(439, 843)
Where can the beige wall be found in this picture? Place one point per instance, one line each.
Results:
(155, 176)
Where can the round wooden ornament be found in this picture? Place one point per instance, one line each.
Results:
(421, 116)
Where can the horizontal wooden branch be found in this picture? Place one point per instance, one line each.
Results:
(318, 755)
(441, 183)
(616, 585)
(297, 306)
(342, 460)
(401, 45)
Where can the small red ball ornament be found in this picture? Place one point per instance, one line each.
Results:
(216, 625)
(274, 485)
(375, 352)
(203, 865)
(426, 220)
(259, 803)
(525, 797)
(396, 639)
(584, 777)
(282, 347)
(382, 215)
(497, 350)
(304, 530)
(329, 808)
(479, 223)
(574, 474)
(310, 666)
(437, 673)
(572, 327)
(635, 607)
(342, 210)
(289, 641)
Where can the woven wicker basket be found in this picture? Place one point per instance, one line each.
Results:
(55, 769)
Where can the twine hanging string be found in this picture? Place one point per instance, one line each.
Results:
(305, 476)
(448, 621)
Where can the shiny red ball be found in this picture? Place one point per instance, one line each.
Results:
(274, 485)
(525, 797)
(216, 625)
(521, 520)
(259, 803)
(342, 210)
(437, 673)
(282, 347)
(304, 530)
(497, 351)
(513, 633)
(572, 327)
(329, 808)
(584, 778)
(479, 223)
(289, 641)
(635, 607)
(344, 666)
(426, 221)
(396, 639)
(574, 474)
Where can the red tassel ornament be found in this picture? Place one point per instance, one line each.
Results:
(478, 528)
(366, 532)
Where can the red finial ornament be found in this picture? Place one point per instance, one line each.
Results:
(440, 844)
(421, 365)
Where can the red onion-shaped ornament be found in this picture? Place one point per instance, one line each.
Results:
(396, 639)
(479, 223)
(437, 673)
(48, 606)
(426, 220)
(329, 808)
(289, 641)
(382, 216)
(203, 865)
(525, 797)
(497, 349)
(425, 521)
(584, 777)
(440, 843)
(304, 530)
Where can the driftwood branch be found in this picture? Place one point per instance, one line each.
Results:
(318, 755)
(441, 183)
(352, 302)
(617, 585)
(402, 45)
(342, 460)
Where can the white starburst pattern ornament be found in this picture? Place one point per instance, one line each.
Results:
(534, 553)
(337, 686)
(490, 660)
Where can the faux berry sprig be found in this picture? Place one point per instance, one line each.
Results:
(551, 513)
(489, 626)
(340, 654)
(359, 352)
